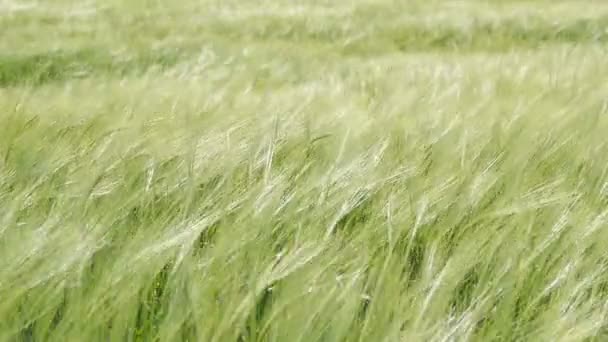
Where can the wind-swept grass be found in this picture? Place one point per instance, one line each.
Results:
(274, 171)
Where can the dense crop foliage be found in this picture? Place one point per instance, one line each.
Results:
(275, 170)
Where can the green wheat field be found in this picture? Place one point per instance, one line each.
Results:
(303, 170)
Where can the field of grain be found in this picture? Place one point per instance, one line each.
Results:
(291, 170)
